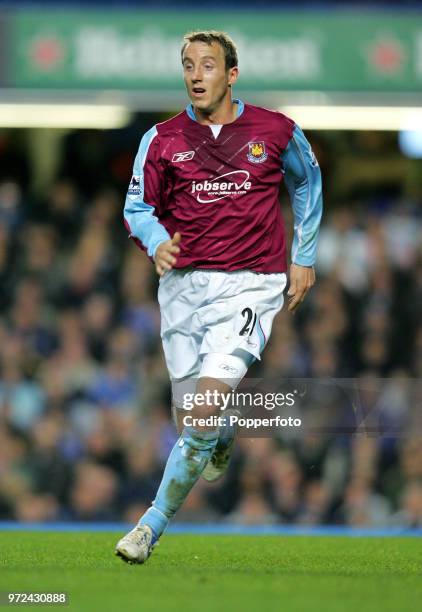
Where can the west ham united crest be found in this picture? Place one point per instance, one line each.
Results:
(257, 153)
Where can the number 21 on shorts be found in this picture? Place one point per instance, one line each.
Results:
(248, 323)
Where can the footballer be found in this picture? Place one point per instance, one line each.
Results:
(203, 202)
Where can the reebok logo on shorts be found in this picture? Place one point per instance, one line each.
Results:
(224, 366)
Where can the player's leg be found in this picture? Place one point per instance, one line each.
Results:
(184, 466)
(212, 365)
(237, 364)
(240, 321)
(217, 365)
(179, 299)
(229, 326)
(220, 458)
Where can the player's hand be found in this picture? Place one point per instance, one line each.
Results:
(301, 280)
(165, 254)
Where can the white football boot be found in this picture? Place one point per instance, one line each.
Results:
(136, 546)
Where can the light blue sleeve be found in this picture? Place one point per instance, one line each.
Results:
(303, 181)
(139, 216)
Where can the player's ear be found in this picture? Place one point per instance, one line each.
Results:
(233, 74)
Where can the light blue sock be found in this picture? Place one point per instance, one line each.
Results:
(185, 464)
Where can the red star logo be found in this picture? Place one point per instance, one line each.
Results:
(47, 53)
(387, 56)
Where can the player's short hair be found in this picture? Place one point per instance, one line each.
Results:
(210, 36)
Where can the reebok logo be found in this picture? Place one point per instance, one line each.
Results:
(183, 157)
(228, 368)
(232, 183)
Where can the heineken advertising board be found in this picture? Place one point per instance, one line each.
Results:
(140, 50)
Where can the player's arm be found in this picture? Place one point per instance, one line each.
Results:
(303, 181)
(142, 201)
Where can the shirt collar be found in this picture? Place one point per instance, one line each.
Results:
(191, 113)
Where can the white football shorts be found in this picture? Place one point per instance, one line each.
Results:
(214, 311)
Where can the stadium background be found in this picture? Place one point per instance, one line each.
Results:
(84, 397)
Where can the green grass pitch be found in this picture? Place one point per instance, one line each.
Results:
(209, 573)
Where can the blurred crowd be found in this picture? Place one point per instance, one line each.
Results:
(85, 426)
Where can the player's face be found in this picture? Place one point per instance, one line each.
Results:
(206, 78)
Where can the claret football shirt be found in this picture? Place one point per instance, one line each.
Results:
(220, 190)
